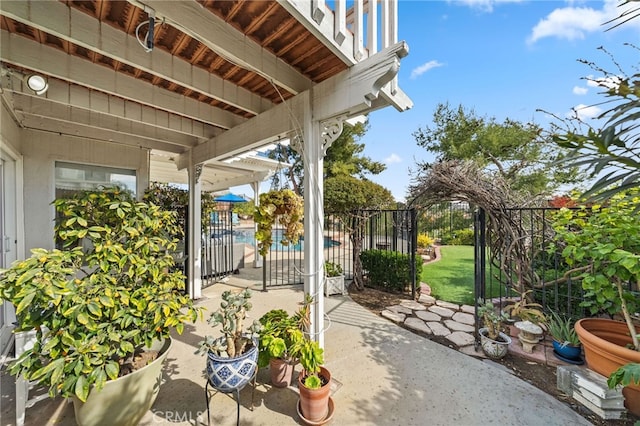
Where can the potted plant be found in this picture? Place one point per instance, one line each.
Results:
(314, 385)
(495, 343)
(285, 206)
(566, 344)
(281, 338)
(334, 279)
(231, 358)
(102, 306)
(602, 244)
(525, 310)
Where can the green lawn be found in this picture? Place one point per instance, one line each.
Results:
(451, 277)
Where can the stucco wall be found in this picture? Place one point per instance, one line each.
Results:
(41, 150)
(9, 131)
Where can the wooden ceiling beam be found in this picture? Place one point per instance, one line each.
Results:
(234, 46)
(20, 51)
(81, 29)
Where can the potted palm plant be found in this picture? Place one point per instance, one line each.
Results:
(495, 343)
(102, 306)
(232, 357)
(334, 279)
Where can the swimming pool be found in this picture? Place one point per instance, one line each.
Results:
(247, 236)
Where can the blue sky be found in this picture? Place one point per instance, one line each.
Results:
(503, 58)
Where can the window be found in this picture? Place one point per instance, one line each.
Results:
(72, 177)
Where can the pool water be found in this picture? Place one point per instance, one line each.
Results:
(247, 236)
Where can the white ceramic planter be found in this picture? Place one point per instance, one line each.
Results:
(494, 348)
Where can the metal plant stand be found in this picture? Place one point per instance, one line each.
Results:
(208, 393)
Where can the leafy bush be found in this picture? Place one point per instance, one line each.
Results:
(460, 237)
(425, 241)
(389, 269)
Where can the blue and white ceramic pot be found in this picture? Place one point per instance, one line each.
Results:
(229, 374)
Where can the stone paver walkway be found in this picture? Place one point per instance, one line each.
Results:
(455, 323)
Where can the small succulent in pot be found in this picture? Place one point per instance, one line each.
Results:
(491, 319)
(230, 317)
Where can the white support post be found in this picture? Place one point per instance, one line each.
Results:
(194, 238)
(257, 257)
(313, 219)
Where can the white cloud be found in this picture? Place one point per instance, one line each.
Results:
(570, 23)
(573, 23)
(393, 158)
(484, 5)
(577, 90)
(418, 71)
(584, 112)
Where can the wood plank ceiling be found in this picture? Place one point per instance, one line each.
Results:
(266, 24)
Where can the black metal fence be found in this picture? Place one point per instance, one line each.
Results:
(221, 253)
(500, 276)
(379, 229)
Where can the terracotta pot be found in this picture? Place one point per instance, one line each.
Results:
(314, 403)
(281, 372)
(604, 343)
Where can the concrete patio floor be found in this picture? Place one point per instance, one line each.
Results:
(384, 375)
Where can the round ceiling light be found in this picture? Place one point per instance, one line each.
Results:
(37, 83)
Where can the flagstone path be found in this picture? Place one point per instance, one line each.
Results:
(455, 324)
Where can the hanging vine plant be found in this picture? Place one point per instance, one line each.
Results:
(287, 208)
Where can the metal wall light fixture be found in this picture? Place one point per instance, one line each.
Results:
(36, 83)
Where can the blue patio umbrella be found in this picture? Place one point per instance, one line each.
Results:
(230, 198)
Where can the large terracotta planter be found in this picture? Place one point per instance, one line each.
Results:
(314, 403)
(604, 343)
(124, 401)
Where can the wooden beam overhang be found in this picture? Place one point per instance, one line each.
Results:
(357, 90)
(193, 20)
(72, 25)
(31, 55)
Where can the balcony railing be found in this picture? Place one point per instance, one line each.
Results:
(354, 33)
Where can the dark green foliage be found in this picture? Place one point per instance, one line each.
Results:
(460, 237)
(390, 270)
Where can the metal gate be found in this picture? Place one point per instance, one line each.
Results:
(392, 230)
(221, 255)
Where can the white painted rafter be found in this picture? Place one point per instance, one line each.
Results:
(362, 89)
(34, 56)
(160, 138)
(63, 97)
(83, 30)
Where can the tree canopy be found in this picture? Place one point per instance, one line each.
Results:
(345, 193)
(344, 157)
(518, 152)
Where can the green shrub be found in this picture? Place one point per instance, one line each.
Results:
(389, 269)
(459, 237)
